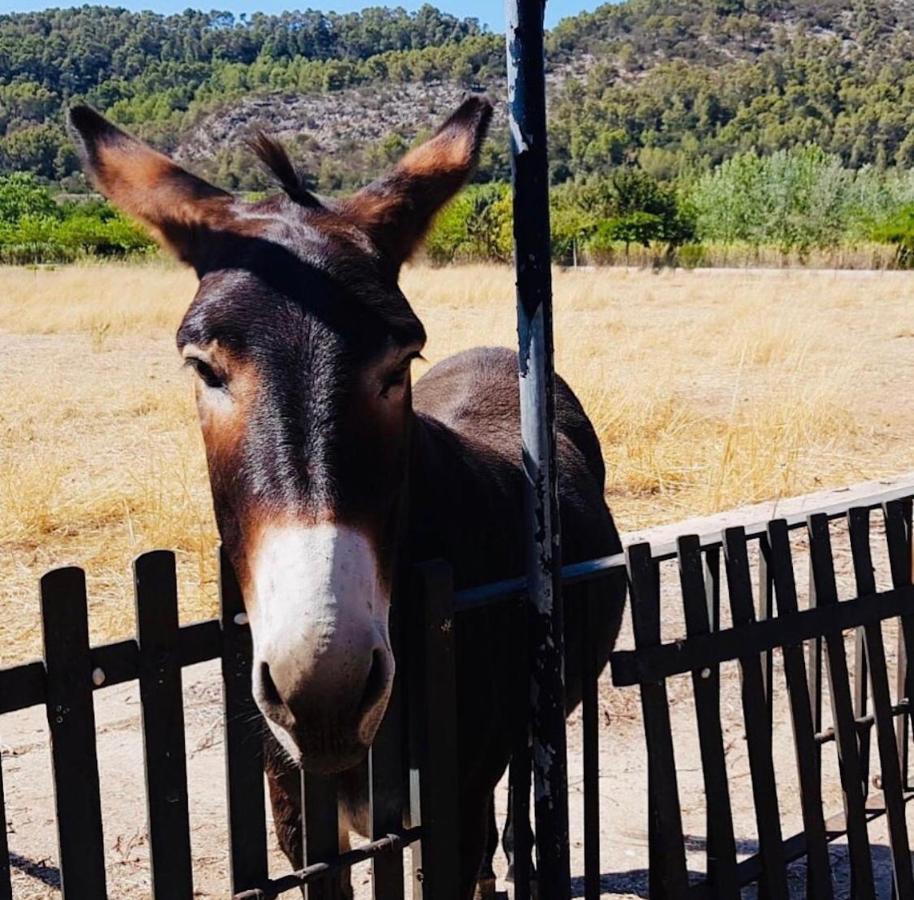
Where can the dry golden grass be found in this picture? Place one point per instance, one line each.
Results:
(708, 390)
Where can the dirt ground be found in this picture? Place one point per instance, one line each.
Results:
(622, 782)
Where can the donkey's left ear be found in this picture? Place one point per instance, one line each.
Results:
(396, 210)
(178, 207)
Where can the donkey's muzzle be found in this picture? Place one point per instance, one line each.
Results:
(326, 724)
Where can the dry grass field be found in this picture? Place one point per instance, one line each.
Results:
(708, 390)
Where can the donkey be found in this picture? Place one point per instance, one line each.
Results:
(330, 473)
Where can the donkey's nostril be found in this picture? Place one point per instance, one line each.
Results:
(269, 693)
(376, 683)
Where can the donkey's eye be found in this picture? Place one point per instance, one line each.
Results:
(206, 372)
(398, 376)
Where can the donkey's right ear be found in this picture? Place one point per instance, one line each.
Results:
(176, 206)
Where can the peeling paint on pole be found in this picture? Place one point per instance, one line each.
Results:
(527, 128)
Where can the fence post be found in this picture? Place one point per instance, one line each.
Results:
(527, 125)
(243, 741)
(386, 763)
(163, 725)
(71, 721)
(433, 722)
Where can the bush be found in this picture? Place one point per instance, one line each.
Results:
(899, 230)
(21, 194)
(36, 229)
(476, 226)
(795, 200)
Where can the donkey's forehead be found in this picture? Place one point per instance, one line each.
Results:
(285, 271)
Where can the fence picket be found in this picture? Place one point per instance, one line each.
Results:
(243, 742)
(826, 594)
(766, 611)
(859, 526)
(6, 888)
(163, 725)
(71, 721)
(321, 832)
(721, 844)
(590, 749)
(897, 516)
(819, 882)
(755, 716)
(433, 708)
(668, 876)
(388, 796)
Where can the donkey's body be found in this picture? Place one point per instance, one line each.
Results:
(466, 497)
(328, 474)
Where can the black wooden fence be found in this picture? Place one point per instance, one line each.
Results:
(414, 772)
(779, 622)
(408, 808)
(810, 637)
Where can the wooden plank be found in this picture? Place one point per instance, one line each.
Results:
(631, 667)
(71, 721)
(898, 540)
(388, 793)
(892, 789)
(861, 701)
(433, 708)
(706, 687)
(6, 889)
(669, 876)
(826, 595)
(819, 882)
(766, 611)
(321, 833)
(755, 717)
(814, 649)
(243, 742)
(520, 776)
(156, 593)
(519, 840)
(590, 750)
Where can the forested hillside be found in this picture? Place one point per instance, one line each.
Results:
(674, 85)
(664, 114)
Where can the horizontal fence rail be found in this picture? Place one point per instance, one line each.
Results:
(413, 784)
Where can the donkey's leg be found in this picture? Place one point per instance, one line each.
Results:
(345, 876)
(509, 836)
(284, 781)
(474, 820)
(285, 798)
(485, 889)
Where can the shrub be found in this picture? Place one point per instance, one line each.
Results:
(35, 229)
(476, 226)
(898, 229)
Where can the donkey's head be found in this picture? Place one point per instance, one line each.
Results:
(301, 343)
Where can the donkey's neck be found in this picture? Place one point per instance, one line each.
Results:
(465, 500)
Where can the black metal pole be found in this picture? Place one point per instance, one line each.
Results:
(527, 121)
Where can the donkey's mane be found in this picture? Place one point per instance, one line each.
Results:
(276, 159)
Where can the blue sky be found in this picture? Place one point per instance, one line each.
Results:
(488, 11)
